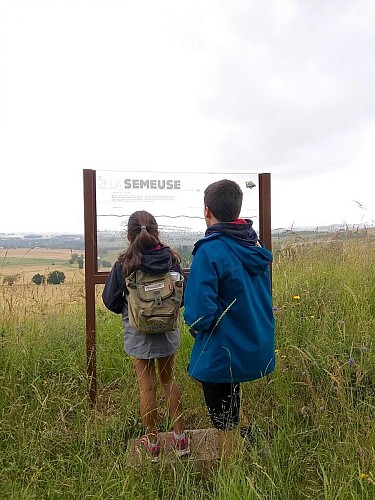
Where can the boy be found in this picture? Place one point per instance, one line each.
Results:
(228, 307)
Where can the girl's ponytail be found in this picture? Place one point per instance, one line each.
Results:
(143, 235)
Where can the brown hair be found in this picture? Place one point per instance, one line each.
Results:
(143, 235)
(224, 199)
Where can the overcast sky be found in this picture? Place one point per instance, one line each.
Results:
(284, 86)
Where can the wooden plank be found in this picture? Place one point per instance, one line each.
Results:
(204, 449)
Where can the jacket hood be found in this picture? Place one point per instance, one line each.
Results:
(157, 260)
(254, 258)
(243, 233)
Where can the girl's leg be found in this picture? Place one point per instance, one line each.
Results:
(146, 377)
(171, 392)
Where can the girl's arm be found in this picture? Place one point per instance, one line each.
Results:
(114, 289)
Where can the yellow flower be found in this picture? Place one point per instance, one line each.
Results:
(364, 476)
(277, 351)
(296, 297)
(283, 356)
(312, 317)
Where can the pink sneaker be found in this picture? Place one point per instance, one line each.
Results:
(181, 445)
(152, 449)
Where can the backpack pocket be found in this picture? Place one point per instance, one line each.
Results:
(154, 302)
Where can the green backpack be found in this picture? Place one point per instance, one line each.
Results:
(154, 301)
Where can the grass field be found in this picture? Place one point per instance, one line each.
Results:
(53, 254)
(25, 264)
(313, 420)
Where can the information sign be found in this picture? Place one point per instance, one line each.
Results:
(175, 199)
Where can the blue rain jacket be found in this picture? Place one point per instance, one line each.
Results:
(228, 307)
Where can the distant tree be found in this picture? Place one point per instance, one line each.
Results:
(56, 277)
(185, 253)
(38, 279)
(73, 258)
(105, 263)
(10, 279)
(80, 261)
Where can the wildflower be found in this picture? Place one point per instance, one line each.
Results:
(296, 297)
(363, 475)
(303, 374)
(351, 362)
(275, 308)
(283, 356)
(362, 349)
(312, 317)
(277, 351)
(341, 322)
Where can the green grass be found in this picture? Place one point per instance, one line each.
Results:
(24, 261)
(313, 419)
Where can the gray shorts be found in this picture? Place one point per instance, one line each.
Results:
(148, 346)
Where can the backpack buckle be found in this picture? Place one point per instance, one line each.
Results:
(158, 300)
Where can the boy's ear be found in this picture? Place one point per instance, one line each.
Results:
(207, 213)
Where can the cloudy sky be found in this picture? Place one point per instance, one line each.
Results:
(283, 86)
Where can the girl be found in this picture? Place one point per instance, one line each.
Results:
(146, 252)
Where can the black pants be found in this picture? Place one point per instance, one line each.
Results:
(223, 404)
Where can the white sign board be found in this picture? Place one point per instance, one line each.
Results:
(175, 199)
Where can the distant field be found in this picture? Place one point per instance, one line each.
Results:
(37, 253)
(26, 263)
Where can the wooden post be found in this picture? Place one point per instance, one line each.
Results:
(265, 209)
(89, 184)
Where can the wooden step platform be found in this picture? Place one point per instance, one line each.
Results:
(204, 449)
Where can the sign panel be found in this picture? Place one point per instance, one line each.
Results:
(175, 199)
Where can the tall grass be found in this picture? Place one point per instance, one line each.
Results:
(312, 420)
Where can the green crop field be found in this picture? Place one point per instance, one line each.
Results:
(313, 420)
(24, 262)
